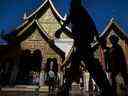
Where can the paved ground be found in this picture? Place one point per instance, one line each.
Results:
(31, 94)
(29, 91)
(40, 94)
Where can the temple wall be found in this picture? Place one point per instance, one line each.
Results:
(121, 42)
(49, 23)
(35, 41)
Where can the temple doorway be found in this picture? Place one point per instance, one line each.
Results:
(29, 67)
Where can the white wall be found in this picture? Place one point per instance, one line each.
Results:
(64, 44)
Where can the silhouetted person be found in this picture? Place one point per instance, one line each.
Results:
(2, 73)
(106, 51)
(7, 68)
(81, 79)
(14, 72)
(52, 65)
(24, 67)
(51, 71)
(90, 86)
(67, 82)
(118, 63)
(83, 32)
(21, 67)
(37, 60)
(55, 66)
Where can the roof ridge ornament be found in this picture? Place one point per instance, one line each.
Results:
(65, 16)
(117, 25)
(25, 16)
(112, 19)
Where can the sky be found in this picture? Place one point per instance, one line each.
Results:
(12, 11)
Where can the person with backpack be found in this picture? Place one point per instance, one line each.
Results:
(51, 76)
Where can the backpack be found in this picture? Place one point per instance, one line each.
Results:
(51, 74)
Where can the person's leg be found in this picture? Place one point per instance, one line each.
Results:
(53, 85)
(75, 64)
(49, 86)
(97, 73)
(114, 84)
(125, 77)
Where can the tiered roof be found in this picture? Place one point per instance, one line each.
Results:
(47, 20)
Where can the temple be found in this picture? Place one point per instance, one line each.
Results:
(112, 28)
(37, 32)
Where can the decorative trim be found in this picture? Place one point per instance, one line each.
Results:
(52, 6)
(34, 25)
(27, 17)
(42, 29)
(58, 14)
(110, 25)
(25, 28)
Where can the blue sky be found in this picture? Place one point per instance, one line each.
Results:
(11, 11)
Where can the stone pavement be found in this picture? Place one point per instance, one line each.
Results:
(77, 92)
(25, 88)
(30, 91)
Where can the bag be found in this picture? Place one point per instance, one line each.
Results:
(51, 74)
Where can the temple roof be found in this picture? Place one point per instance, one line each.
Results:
(32, 21)
(36, 15)
(43, 8)
(29, 29)
(113, 25)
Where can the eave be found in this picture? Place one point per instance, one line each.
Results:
(113, 25)
(47, 4)
(29, 29)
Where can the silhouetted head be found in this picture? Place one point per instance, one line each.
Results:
(49, 60)
(54, 60)
(113, 39)
(75, 3)
(27, 52)
(37, 52)
(48, 64)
